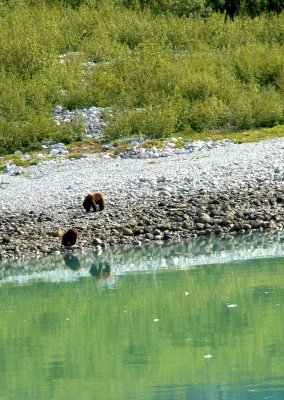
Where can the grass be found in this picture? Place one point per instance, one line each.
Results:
(89, 146)
(22, 162)
(85, 146)
(151, 162)
(74, 155)
(150, 143)
(250, 135)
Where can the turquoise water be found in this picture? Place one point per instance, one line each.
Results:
(195, 320)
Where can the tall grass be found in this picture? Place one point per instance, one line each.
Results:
(161, 74)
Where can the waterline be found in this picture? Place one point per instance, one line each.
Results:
(122, 260)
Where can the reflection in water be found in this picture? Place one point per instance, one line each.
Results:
(72, 262)
(147, 339)
(181, 255)
(103, 273)
(101, 270)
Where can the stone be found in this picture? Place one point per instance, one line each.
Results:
(54, 152)
(132, 222)
(199, 226)
(58, 233)
(44, 249)
(126, 231)
(97, 242)
(164, 226)
(205, 218)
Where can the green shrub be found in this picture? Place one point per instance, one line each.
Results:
(267, 107)
(253, 63)
(68, 132)
(177, 7)
(209, 113)
(155, 122)
(160, 65)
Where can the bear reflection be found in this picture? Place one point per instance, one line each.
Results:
(72, 262)
(101, 270)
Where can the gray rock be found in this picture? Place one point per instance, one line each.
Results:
(205, 218)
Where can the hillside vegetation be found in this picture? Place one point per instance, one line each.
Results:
(165, 67)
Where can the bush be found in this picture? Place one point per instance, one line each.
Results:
(252, 63)
(177, 7)
(68, 132)
(160, 65)
(154, 121)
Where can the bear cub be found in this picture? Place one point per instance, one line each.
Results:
(93, 200)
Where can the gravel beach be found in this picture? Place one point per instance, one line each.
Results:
(222, 189)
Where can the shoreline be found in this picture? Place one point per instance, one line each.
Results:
(220, 191)
(183, 255)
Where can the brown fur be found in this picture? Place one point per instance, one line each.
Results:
(69, 238)
(93, 200)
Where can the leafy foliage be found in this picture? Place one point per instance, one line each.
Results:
(161, 68)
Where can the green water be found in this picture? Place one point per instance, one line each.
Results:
(143, 332)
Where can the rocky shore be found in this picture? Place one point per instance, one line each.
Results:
(121, 260)
(215, 190)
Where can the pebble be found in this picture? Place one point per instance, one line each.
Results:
(220, 189)
(92, 119)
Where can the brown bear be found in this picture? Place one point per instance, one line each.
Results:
(94, 199)
(69, 238)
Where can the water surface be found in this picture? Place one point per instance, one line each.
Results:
(195, 320)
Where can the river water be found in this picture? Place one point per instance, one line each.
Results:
(194, 320)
